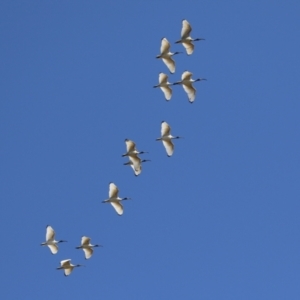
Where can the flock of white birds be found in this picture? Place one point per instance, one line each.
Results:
(135, 162)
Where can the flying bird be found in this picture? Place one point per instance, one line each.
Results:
(67, 266)
(166, 55)
(87, 247)
(114, 199)
(186, 40)
(187, 84)
(131, 148)
(164, 85)
(167, 138)
(50, 240)
(136, 164)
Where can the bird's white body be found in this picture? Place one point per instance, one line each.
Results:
(187, 84)
(166, 55)
(131, 148)
(87, 247)
(167, 138)
(186, 40)
(164, 85)
(67, 266)
(50, 240)
(136, 164)
(114, 199)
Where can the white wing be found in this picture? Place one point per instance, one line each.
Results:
(165, 46)
(169, 147)
(186, 75)
(170, 63)
(50, 233)
(186, 29)
(136, 164)
(165, 129)
(167, 92)
(113, 190)
(130, 145)
(189, 47)
(53, 248)
(162, 78)
(88, 252)
(85, 240)
(135, 160)
(191, 91)
(118, 207)
(65, 263)
(68, 271)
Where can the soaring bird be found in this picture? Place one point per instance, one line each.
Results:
(50, 240)
(114, 199)
(67, 266)
(167, 138)
(131, 148)
(87, 247)
(187, 84)
(186, 40)
(166, 55)
(136, 164)
(164, 85)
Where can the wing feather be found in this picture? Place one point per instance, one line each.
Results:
(167, 92)
(85, 240)
(186, 75)
(88, 252)
(113, 190)
(186, 29)
(170, 63)
(65, 263)
(169, 146)
(68, 271)
(130, 145)
(165, 129)
(50, 233)
(162, 78)
(165, 46)
(118, 207)
(191, 91)
(53, 248)
(189, 47)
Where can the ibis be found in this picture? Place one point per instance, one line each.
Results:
(67, 266)
(166, 55)
(186, 40)
(114, 199)
(167, 138)
(87, 247)
(164, 85)
(187, 84)
(50, 240)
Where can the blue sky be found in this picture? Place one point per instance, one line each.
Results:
(219, 219)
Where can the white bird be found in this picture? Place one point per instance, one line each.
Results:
(67, 266)
(114, 199)
(164, 85)
(187, 84)
(50, 240)
(131, 148)
(166, 138)
(166, 55)
(87, 247)
(136, 164)
(186, 40)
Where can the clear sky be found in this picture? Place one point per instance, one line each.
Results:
(217, 220)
